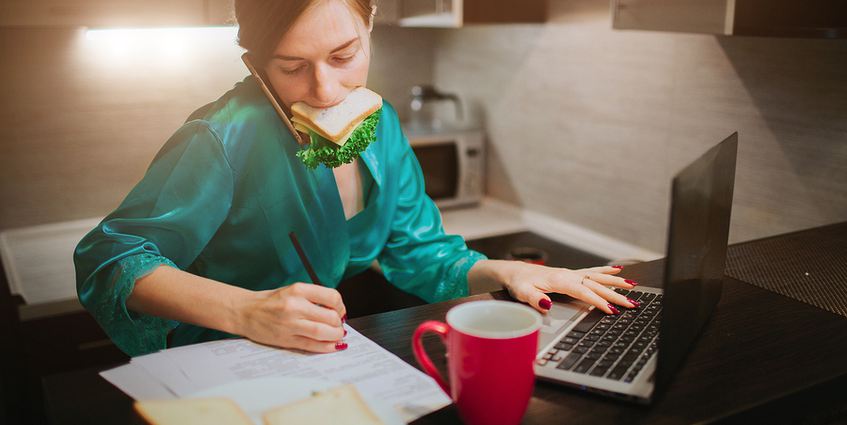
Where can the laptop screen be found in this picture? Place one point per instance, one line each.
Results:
(701, 203)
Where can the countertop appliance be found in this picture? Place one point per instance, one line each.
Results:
(427, 110)
(453, 165)
(451, 153)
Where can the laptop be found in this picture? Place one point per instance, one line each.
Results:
(632, 354)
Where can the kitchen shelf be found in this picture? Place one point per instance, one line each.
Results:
(773, 18)
(457, 13)
(114, 13)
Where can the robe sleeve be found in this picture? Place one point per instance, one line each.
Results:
(419, 257)
(167, 219)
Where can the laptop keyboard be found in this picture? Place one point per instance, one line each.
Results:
(612, 346)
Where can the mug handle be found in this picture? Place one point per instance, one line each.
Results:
(440, 328)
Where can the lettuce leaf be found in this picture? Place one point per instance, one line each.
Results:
(322, 151)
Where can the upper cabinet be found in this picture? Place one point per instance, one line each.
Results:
(114, 13)
(137, 13)
(455, 13)
(776, 18)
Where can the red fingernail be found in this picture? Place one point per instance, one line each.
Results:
(614, 310)
(341, 346)
(345, 332)
(631, 282)
(618, 267)
(545, 304)
(633, 302)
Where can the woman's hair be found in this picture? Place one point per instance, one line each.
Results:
(262, 23)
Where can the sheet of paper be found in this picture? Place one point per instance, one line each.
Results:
(374, 370)
(137, 383)
(167, 373)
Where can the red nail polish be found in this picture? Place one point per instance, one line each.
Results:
(614, 309)
(341, 346)
(545, 304)
(345, 332)
(633, 302)
(618, 267)
(631, 282)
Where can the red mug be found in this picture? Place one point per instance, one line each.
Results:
(527, 254)
(491, 348)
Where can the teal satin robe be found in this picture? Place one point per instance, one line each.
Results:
(220, 198)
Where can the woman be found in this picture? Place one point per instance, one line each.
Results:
(199, 249)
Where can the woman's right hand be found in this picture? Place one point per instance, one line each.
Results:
(301, 316)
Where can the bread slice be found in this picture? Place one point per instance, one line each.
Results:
(192, 411)
(341, 405)
(338, 122)
(303, 128)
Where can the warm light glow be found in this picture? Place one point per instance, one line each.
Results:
(165, 46)
(156, 34)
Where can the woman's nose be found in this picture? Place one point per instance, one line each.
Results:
(327, 90)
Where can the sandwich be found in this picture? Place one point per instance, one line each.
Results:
(341, 405)
(340, 133)
(192, 411)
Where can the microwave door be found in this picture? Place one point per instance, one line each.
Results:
(453, 167)
(440, 164)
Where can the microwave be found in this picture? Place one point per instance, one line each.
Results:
(453, 165)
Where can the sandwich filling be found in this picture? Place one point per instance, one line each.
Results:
(340, 133)
(322, 151)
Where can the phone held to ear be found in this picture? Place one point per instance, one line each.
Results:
(337, 134)
(269, 93)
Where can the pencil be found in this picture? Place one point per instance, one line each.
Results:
(304, 259)
(309, 269)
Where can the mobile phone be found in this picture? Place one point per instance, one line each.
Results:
(281, 110)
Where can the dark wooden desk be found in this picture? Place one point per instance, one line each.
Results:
(762, 357)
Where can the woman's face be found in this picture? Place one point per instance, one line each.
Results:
(322, 58)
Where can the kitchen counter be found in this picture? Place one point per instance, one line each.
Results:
(493, 217)
(489, 218)
(38, 262)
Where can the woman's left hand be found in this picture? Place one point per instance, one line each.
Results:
(531, 283)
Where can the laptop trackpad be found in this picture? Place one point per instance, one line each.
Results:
(559, 317)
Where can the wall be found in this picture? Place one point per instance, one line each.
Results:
(594, 122)
(82, 116)
(588, 125)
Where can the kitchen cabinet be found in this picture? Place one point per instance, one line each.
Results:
(114, 13)
(456, 13)
(775, 18)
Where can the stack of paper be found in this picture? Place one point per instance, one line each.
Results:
(182, 371)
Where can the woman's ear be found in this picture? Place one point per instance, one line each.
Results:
(371, 20)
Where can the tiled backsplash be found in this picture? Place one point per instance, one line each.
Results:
(588, 125)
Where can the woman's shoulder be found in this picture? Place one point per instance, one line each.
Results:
(242, 120)
(243, 105)
(389, 117)
(389, 128)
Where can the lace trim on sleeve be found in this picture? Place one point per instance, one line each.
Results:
(133, 332)
(455, 282)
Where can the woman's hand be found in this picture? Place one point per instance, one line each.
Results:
(531, 283)
(301, 316)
